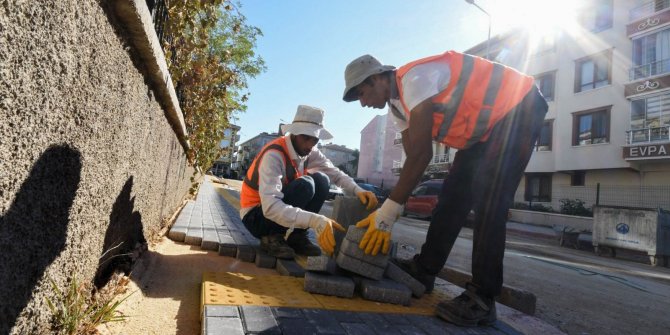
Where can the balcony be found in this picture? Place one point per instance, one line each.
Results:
(440, 159)
(648, 135)
(397, 167)
(647, 9)
(398, 137)
(650, 70)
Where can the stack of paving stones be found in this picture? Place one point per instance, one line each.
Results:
(236, 320)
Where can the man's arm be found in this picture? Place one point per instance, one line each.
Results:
(418, 145)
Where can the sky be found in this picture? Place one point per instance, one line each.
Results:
(307, 44)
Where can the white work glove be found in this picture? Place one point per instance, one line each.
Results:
(367, 198)
(323, 227)
(379, 223)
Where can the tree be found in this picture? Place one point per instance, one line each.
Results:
(210, 52)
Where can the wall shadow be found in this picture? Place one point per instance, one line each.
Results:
(124, 233)
(33, 231)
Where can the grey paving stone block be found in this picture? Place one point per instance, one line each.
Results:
(355, 234)
(346, 316)
(397, 274)
(177, 233)
(222, 311)
(351, 249)
(396, 319)
(229, 250)
(410, 330)
(357, 329)
(326, 284)
(218, 325)
(348, 210)
(287, 312)
(246, 253)
(210, 239)
(432, 325)
(296, 326)
(503, 328)
(385, 290)
(359, 267)
(263, 260)
(321, 263)
(193, 236)
(287, 267)
(377, 322)
(259, 320)
(323, 321)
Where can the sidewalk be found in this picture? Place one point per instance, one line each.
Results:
(236, 296)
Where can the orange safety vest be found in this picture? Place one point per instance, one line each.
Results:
(479, 94)
(249, 196)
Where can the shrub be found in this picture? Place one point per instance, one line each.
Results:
(575, 207)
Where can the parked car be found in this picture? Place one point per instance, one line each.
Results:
(334, 191)
(379, 192)
(423, 199)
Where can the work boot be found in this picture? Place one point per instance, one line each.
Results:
(299, 241)
(276, 246)
(413, 269)
(468, 309)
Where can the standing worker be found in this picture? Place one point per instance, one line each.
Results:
(286, 185)
(493, 115)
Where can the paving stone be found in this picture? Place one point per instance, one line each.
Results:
(378, 323)
(210, 239)
(503, 328)
(287, 267)
(259, 319)
(359, 267)
(329, 284)
(432, 325)
(222, 311)
(385, 290)
(287, 312)
(351, 249)
(397, 274)
(219, 325)
(397, 319)
(246, 253)
(355, 234)
(357, 329)
(193, 235)
(263, 260)
(178, 231)
(296, 326)
(321, 263)
(323, 321)
(410, 330)
(347, 211)
(229, 250)
(346, 316)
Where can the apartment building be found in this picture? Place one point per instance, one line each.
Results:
(607, 81)
(379, 152)
(340, 156)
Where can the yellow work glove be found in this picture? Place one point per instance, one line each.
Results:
(367, 198)
(379, 223)
(323, 227)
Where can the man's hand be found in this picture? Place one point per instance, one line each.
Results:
(367, 198)
(379, 223)
(323, 227)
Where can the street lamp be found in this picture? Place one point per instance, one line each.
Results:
(488, 39)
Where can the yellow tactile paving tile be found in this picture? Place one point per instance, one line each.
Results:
(228, 288)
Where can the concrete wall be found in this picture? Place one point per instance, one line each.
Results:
(88, 161)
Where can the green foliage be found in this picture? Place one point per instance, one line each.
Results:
(575, 207)
(210, 53)
(532, 207)
(76, 312)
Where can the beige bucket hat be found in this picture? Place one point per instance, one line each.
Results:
(308, 121)
(358, 70)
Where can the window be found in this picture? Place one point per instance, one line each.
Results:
(545, 82)
(651, 55)
(538, 187)
(578, 178)
(598, 17)
(544, 141)
(650, 118)
(591, 127)
(593, 72)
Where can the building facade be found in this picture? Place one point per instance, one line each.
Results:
(340, 156)
(607, 81)
(378, 153)
(224, 163)
(247, 151)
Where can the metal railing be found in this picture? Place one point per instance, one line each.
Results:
(647, 9)
(651, 134)
(439, 159)
(651, 69)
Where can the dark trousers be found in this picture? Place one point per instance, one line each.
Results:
(484, 178)
(307, 192)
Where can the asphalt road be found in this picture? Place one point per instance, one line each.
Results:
(577, 291)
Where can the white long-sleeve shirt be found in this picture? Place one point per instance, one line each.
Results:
(271, 169)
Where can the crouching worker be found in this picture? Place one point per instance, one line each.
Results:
(287, 184)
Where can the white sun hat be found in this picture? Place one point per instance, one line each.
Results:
(308, 121)
(358, 70)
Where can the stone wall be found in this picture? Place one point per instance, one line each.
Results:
(89, 166)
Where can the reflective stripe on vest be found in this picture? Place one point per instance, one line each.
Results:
(478, 95)
(249, 196)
